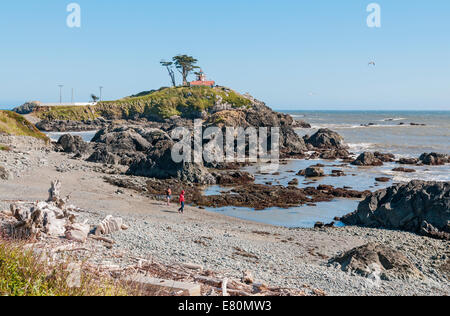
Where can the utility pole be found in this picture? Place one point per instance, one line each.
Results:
(72, 97)
(60, 93)
(101, 88)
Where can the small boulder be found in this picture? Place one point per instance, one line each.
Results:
(325, 139)
(367, 159)
(408, 161)
(434, 159)
(384, 157)
(376, 259)
(73, 144)
(404, 170)
(314, 172)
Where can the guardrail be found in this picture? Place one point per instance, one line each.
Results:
(69, 104)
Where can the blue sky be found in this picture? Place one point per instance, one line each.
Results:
(292, 54)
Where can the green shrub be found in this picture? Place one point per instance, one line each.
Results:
(24, 274)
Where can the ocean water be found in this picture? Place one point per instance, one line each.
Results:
(87, 136)
(386, 136)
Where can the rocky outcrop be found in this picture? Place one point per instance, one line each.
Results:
(408, 161)
(301, 124)
(227, 178)
(367, 159)
(334, 154)
(404, 170)
(313, 172)
(159, 164)
(384, 157)
(72, 126)
(27, 108)
(325, 139)
(377, 261)
(73, 144)
(430, 159)
(125, 144)
(420, 207)
(259, 115)
(434, 159)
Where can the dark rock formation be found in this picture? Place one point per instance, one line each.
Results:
(158, 163)
(325, 139)
(434, 159)
(374, 260)
(405, 170)
(383, 179)
(384, 157)
(125, 144)
(337, 173)
(259, 115)
(301, 124)
(408, 161)
(73, 144)
(367, 159)
(294, 182)
(419, 207)
(430, 159)
(72, 126)
(260, 197)
(312, 172)
(227, 178)
(334, 154)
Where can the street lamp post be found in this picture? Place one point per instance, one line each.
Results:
(60, 93)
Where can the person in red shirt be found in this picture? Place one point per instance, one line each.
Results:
(182, 201)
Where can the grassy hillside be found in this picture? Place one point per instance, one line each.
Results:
(156, 104)
(15, 124)
(74, 113)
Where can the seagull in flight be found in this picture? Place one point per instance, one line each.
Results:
(372, 63)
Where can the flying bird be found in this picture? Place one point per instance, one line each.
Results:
(372, 63)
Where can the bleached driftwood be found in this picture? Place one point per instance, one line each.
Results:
(224, 287)
(55, 195)
(110, 225)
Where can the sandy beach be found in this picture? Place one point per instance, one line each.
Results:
(280, 256)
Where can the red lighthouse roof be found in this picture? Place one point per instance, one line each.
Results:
(201, 80)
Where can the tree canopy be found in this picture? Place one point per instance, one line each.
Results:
(185, 65)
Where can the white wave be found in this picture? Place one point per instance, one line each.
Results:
(393, 119)
(361, 146)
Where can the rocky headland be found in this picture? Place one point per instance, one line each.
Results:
(396, 242)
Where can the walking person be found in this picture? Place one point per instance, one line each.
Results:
(169, 196)
(182, 201)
